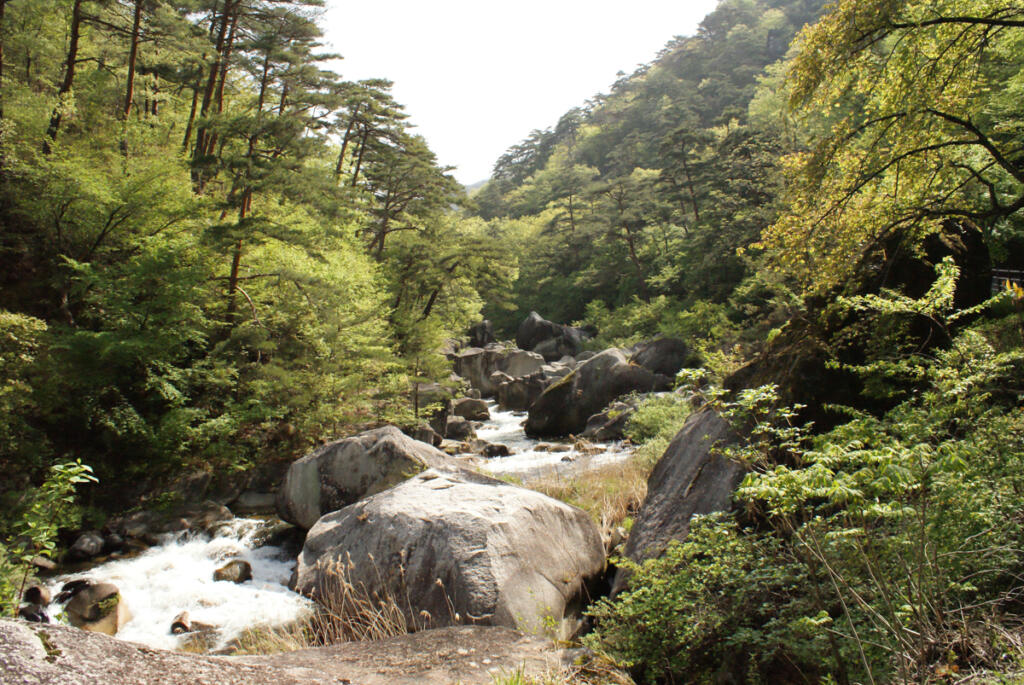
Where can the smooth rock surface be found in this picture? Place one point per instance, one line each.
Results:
(687, 480)
(344, 471)
(459, 543)
(31, 654)
(565, 405)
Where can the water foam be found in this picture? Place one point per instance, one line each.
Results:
(177, 576)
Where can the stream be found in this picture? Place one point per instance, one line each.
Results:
(177, 575)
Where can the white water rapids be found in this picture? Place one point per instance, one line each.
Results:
(177, 576)
(526, 462)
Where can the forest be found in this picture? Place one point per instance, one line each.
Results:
(218, 254)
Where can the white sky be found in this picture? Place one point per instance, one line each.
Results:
(476, 76)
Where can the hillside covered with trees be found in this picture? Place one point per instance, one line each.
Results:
(217, 253)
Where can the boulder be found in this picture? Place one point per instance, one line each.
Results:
(97, 607)
(88, 545)
(236, 571)
(519, 363)
(472, 409)
(471, 655)
(459, 428)
(565, 406)
(551, 340)
(517, 394)
(344, 471)
(610, 424)
(689, 479)
(255, 502)
(476, 365)
(488, 449)
(206, 516)
(481, 334)
(425, 433)
(666, 356)
(462, 547)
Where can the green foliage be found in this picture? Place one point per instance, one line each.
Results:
(902, 532)
(711, 606)
(30, 528)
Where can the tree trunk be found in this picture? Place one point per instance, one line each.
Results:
(211, 79)
(693, 192)
(345, 141)
(359, 160)
(133, 54)
(191, 118)
(69, 75)
(633, 257)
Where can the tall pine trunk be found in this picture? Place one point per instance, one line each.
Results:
(69, 75)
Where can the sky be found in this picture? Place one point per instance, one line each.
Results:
(476, 76)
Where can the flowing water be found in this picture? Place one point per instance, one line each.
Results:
(529, 463)
(177, 576)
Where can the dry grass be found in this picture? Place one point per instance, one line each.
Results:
(590, 670)
(346, 612)
(610, 494)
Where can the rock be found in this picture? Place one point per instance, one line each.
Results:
(473, 393)
(43, 563)
(666, 356)
(427, 434)
(585, 448)
(488, 449)
(518, 394)
(112, 542)
(481, 334)
(519, 363)
(37, 598)
(237, 571)
(87, 546)
(553, 341)
(472, 409)
(252, 502)
(610, 424)
(181, 624)
(687, 480)
(96, 607)
(472, 655)
(344, 471)
(206, 516)
(459, 429)
(476, 365)
(565, 406)
(555, 371)
(463, 548)
(551, 447)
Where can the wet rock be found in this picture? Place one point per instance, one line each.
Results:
(206, 516)
(459, 428)
(181, 624)
(237, 571)
(344, 471)
(487, 449)
(96, 607)
(463, 548)
(86, 546)
(472, 409)
(253, 502)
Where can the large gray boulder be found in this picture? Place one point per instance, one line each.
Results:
(610, 424)
(478, 365)
(517, 394)
(471, 408)
(689, 479)
(347, 470)
(666, 356)
(462, 547)
(566, 405)
(553, 341)
(40, 654)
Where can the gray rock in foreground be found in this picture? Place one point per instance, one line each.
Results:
(688, 479)
(33, 654)
(462, 547)
(347, 470)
